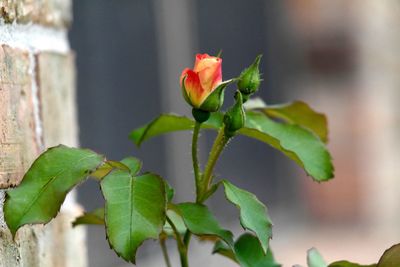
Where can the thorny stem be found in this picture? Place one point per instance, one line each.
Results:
(219, 144)
(181, 246)
(202, 182)
(195, 159)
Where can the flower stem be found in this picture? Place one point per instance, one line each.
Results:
(165, 252)
(181, 246)
(186, 238)
(219, 144)
(195, 159)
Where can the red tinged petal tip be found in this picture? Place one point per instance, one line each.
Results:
(193, 88)
(184, 72)
(204, 61)
(202, 56)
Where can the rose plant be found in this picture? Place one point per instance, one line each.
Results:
(140, 205)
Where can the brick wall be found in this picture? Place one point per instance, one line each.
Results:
(37, 110)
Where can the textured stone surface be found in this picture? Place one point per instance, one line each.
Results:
(18, 145)
(37, 110)
(46, 12)
(55, 74)
(53, 245)
(56, 244)
(57, 98)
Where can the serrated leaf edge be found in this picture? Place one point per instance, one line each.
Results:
(13, 233)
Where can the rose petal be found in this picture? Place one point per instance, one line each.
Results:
(200, 57)
(210, 78)
(184, 73)
(206, 63)
(193, 88)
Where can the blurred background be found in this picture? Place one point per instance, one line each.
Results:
(340, 56)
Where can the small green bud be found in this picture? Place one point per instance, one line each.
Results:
(249, 80)
(235, 117)
(200, 115)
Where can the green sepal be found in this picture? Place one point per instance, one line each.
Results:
(235, 117)
(215, 100)
(200, 115)
(249, 80)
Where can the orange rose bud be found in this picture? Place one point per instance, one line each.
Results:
(202, 87)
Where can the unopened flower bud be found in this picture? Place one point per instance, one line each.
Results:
(202, 86)
(249, 80)
(235, 117)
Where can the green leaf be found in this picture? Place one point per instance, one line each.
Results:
(296, 142)
(391, 257)
(349, 264)
(297, 112)
(95, 217)
(210, 191)
(253, 213)
(249, 253)
(134, 210)
(107, 167)
(223, 249)
(127, 164)
(134, 164)
(177, 221)
(163, 124)
(117, 165)
(167, 123)
(301, 114)
(314, 259)
(43, 189)
(102, 171)
(200, 221)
